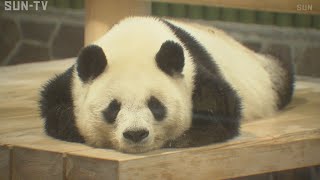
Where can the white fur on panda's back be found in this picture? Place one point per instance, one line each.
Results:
(245, 70)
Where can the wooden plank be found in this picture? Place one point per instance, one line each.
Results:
(35, 155)
(30, 164)
(225, 162)
(78, 168)
(36, 139)
(102, 15)
(4, 162)
(219, 161)
(19, 93)
(13, 125)
(292, 6)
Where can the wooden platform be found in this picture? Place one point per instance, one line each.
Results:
(289, 140)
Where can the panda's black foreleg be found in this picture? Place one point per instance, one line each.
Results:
(216, 112)
(56, 106)
(207, 129)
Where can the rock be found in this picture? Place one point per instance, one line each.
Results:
(27, 53)
(37, 30)
(12, 36)
(68, 41)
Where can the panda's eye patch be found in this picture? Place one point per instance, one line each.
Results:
(111, 112)
(157, 108)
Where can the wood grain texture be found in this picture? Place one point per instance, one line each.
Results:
(4, 162)
(35, 155)
(290, 139)
(226, 162)
(291, 6)
(30, 164)
(19, 93)
(36, 139)
(83, 168)
(102, 15)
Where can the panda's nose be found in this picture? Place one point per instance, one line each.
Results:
(136, 135)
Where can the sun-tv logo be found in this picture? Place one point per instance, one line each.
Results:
(304, 7)
(25, 5)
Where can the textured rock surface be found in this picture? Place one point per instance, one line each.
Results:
(308, 62)
(26, 53)
(68, 41)
(9, 36)
(37, 30)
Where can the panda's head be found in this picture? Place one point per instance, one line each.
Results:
(133, 103)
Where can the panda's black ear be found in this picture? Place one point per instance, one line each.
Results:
(170, 58)
(91, 62)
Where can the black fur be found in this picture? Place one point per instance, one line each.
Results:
(111, 112)
(136, 136)
(216, 106)
(91, 62)
(57, 108)
(158, 110)
(170, 58)
(284, 90)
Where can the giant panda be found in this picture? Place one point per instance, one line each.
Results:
(152, 83)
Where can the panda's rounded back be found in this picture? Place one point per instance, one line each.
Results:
(245, 71)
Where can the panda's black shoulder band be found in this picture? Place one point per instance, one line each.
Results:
(216, 105)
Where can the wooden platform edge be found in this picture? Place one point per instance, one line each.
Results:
(196, 163)
(270, 154)
(5, 155)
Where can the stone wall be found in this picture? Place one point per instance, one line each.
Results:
(40, 36)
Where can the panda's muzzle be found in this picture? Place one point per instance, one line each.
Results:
(136, 136)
